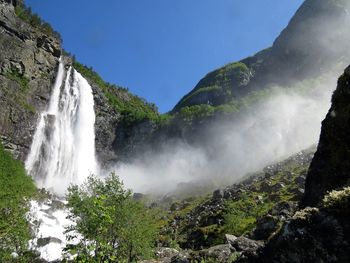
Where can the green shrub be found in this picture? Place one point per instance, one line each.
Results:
(16, 187)
(113, 226)
(338, 199)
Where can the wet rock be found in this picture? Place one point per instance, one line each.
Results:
(47, 240)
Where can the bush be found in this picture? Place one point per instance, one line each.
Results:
(338, 199)
(113, 226)
(16, 187)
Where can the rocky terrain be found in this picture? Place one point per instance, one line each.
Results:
(289, 223)
(221, 226)
(320, 232)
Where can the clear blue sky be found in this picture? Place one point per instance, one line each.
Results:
(160, 49)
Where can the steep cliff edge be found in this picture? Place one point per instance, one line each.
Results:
(330, 167)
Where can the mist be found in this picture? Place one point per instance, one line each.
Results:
(275, 128)
(286, 122)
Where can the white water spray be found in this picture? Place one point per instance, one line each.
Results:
(63, 148)
(62, 153)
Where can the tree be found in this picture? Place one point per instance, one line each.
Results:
(111, 225)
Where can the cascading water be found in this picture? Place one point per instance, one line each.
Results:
(62, 153)
(63, 148)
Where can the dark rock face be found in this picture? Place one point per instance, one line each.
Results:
(308, 46)
(320, 233)
(106, 120)
(313, 235)
(28, 63)
(330, 167)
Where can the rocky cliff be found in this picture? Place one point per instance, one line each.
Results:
(329, 169)
(28, 62)
(28, 65)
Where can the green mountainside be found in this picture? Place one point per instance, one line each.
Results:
(301, 51)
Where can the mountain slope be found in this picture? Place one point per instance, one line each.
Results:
(321, 231)
(312, 43)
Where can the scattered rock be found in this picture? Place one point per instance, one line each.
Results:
(47, 240)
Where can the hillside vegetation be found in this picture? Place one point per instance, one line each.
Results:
(16, 189)
(131, 107)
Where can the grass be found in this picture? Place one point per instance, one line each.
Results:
(241, 215)
(16, 188)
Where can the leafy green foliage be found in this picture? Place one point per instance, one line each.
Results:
(132, 108)
(16, 187)
(26, 14)
(114, 227)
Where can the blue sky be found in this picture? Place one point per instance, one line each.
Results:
(160, 49)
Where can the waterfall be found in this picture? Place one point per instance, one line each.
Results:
(62, 152)
(63, 148)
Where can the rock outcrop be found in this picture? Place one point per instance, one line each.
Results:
(330, 167)
(320, 232)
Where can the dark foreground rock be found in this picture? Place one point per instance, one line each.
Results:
(321, 233)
